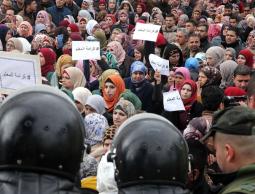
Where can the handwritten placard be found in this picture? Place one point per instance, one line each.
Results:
(159, 64)
(146, 32)
(173, 101)
(18, 71)
(83, 50)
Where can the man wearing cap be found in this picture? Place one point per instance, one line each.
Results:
(233, 132)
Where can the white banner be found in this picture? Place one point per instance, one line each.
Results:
(159, 64)
(146, 32)
(173, 101)
(84, 50)
(18, 71)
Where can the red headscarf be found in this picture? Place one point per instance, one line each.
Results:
(74, 27)
(112, 16)
(188, 102)
(248, 56)
(120, 87)
(50, 59)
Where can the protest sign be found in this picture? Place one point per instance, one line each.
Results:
(18, 71)
(159, 64)
(173, 101)
(146, 32)
(85, 50)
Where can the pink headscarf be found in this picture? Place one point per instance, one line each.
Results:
(30, 31)
(46, 20)
(116, 48)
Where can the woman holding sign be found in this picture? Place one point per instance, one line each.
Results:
(188, 93)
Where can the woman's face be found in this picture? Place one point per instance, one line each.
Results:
(42, 59)
(110, 89)
(84, 5)
(126, 6)
(170, 79)
(119, 117)
(67, 82)
(241, 60)
(139, 9)
(10, 46)
(210, 60)
(79, 106)
(228, 55)
(24, 30)
(114, 34)
(137, 55)
(138, 76)
(123, 18)
(111, 4)
(186, 91)
(101, 7)
(82, 25)
(40, 18)
(8, 35)
(202, 79)
(174, 59)
(109, 21)
(179, 79)
(89, 110)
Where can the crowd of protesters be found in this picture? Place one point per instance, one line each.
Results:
(210, 46)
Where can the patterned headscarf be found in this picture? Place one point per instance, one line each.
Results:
(95, 125)
(125, 106)
(213, 76)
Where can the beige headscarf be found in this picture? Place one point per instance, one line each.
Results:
(63, 60)
(76, 76)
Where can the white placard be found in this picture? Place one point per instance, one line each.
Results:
(18, 71)
(146, 32)
(173, 101)
(159, 64)
(84, 50)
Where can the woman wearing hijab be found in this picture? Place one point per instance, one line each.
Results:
(112, 7)
(140, 86)
(126, 5)
(174, 54)
(123, 22)
(188, 93)
(47, 60)
(25, 30)
(208, 76)
(230, 54)
(122, 111)
(72, 78)
(95, 104)
(192, 65)
(180, 75)
(123, 61)
(227, 69)
(112, 89)
(245, 57)
(215, 56)
(95, 125)
(63, 62)
(42, 17)
(14, 44)
(81, 96)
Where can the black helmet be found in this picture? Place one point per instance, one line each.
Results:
(41, 130)
(148, 149)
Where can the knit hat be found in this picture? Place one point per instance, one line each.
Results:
(248, 56)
